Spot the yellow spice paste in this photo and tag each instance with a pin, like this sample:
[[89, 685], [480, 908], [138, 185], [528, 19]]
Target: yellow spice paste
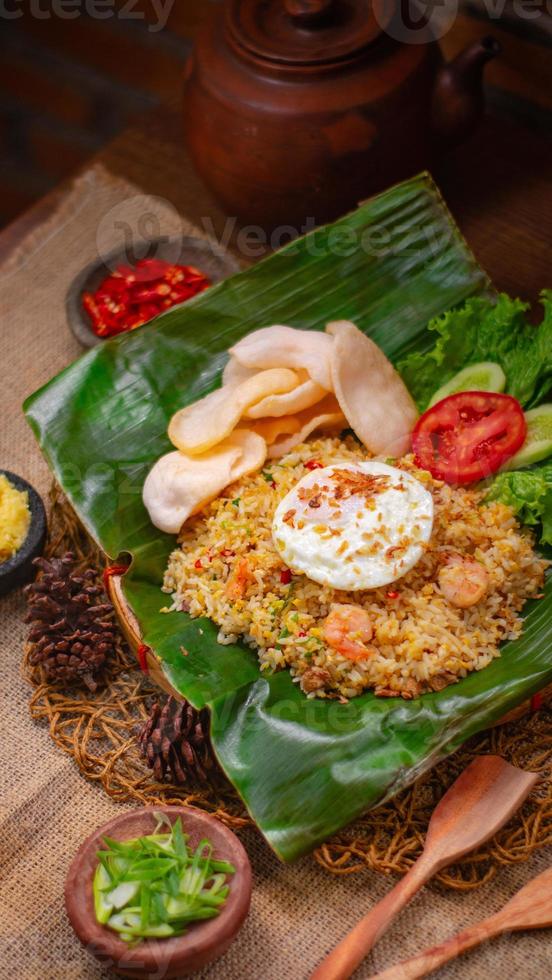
[[15, 518]]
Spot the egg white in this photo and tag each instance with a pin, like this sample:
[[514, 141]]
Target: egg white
[[361, 542]]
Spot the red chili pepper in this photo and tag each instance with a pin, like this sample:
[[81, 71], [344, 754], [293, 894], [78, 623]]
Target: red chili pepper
[[301, 633], [142, 654], [393, 595], [133, 321], [126, 272], [146, 270], [313, 464], [179, 294], [285, 576], [151, 293], [147, 311], [198, 563], [112, 286], [536, 702], [91, 307], [132, 295], [112, 570], [174, 274]]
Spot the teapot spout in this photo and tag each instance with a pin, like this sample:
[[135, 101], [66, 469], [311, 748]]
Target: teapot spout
[[458, 98]]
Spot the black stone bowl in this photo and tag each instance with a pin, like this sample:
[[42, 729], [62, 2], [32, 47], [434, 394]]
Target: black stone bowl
[[216, 263], [19, 569]]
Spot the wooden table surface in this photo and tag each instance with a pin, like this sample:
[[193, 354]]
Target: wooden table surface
[[498, 186]]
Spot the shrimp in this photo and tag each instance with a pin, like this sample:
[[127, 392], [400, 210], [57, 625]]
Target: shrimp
[[239, 579], [463, 581], [348, 630]]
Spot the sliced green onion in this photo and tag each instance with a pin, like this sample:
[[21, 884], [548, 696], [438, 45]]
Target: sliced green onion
[[145, 903], [154, 886], [123, 894], [102, 906], [224, 866]]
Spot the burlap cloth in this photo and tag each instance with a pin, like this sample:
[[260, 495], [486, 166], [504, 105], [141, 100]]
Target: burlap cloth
[[47, 808]]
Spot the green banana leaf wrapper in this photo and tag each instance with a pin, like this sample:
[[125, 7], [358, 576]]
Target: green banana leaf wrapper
[[304, 768]]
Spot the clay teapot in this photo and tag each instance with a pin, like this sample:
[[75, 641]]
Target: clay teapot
[[295, 110]]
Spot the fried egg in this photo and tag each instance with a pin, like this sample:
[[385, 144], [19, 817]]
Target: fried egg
[[354, 526]]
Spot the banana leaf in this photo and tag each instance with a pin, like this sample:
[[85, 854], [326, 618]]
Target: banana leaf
[[303, 767]]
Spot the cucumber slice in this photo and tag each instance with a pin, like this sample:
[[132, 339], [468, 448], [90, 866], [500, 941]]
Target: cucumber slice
[[538, 443], [485, 376]]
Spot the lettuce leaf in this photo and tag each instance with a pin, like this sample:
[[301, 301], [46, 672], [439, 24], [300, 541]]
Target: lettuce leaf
[[485, 330], [529, 492]]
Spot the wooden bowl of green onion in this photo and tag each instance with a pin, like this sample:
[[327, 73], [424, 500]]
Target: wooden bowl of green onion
[[159, 891]]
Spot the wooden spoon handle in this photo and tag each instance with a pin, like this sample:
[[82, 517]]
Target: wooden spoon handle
[[436, 956], [347, 955]]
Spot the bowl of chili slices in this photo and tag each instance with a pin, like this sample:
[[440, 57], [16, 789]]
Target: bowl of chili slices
[[120, 291]]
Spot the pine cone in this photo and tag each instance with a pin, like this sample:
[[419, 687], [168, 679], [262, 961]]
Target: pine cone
[[175, 743], [72, 631]]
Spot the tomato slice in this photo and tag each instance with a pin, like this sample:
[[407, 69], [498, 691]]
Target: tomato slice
[[468, 436]]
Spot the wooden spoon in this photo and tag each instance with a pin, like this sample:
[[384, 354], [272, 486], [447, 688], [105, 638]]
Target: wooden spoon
[[530, 908], [481, 800]]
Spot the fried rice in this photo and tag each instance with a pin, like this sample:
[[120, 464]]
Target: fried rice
[[227, 568]]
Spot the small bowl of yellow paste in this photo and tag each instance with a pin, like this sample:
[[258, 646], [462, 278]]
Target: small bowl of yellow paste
[[22, 530]]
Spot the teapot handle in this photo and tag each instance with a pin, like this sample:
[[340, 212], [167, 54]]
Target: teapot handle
[[307, 12]]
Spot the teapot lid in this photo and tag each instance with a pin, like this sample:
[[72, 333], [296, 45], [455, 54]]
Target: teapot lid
[[305, 32]]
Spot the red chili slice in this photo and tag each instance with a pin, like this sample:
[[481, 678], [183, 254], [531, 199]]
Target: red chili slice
[[468, 436], [132, 295]]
